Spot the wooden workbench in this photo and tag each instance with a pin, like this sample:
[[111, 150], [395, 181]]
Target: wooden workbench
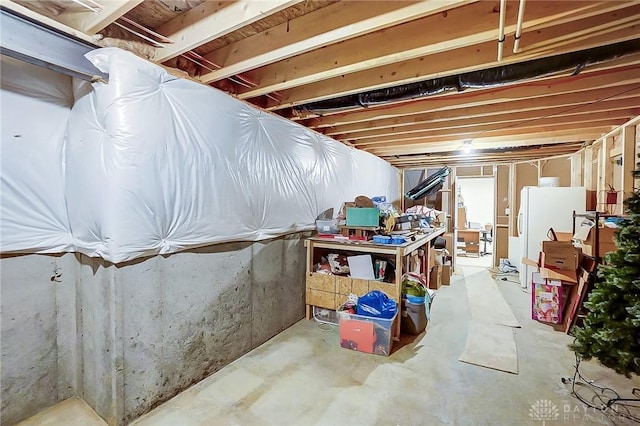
[[331, 291]]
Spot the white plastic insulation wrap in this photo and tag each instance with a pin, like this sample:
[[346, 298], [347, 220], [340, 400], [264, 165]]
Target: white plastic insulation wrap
[[156, 164], [35, 104]]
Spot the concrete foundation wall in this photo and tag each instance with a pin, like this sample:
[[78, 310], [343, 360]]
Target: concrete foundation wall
[[135, 335], [38, 336]]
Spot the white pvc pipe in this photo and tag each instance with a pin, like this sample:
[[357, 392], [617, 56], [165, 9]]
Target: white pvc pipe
[[142, 36], [95, 9], [516, 42], [503, 9]]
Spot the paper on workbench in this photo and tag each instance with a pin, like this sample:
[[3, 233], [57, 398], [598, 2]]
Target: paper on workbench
[[361, 267]]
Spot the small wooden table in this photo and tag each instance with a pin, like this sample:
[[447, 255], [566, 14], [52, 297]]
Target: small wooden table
[[330, 291], [471, 238]]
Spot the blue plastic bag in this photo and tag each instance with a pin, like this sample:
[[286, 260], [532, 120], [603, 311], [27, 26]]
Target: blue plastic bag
[[377, 304]]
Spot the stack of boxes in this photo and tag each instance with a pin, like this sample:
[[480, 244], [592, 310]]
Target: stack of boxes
[[440, 268], [558, 262]]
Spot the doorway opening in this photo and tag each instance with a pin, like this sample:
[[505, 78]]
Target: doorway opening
[[476, 221]]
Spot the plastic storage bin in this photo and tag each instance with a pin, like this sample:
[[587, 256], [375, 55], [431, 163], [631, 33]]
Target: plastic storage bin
[[414, 317], [366, 334], [327, 226], [381, 239]]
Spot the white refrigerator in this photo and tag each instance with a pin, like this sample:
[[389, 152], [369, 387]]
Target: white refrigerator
[[542, 208]]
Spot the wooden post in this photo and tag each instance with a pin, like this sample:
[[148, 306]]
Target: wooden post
[[588, 169], [513, 207], [628, 163], [401, 187], [576, 169], [604, 173]]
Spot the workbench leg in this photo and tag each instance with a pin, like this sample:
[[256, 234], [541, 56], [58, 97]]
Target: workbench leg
[[427, 266], [309, 311], [396, 334]]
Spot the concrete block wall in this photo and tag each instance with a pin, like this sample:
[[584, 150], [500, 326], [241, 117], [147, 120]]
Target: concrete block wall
[[126, 338]]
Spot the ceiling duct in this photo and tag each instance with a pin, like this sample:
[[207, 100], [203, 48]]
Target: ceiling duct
[[491, 77]]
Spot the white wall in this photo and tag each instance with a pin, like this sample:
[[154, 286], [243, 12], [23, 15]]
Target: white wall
[[478, 194]]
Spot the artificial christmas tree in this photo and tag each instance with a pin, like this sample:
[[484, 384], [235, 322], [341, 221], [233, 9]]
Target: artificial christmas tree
[[611, 328]]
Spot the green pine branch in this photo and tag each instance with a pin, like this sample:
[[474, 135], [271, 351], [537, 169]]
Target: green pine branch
[[611, 328]]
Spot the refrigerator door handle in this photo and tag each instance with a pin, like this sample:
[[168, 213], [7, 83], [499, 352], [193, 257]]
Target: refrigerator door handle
[[520, 223]]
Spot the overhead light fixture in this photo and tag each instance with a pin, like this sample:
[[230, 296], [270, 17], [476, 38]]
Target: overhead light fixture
[[466, 147]]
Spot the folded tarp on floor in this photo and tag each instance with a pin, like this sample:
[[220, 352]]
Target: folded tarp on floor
[[490, 339]]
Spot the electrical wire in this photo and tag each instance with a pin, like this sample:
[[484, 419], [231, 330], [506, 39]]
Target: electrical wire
[[604, 399]]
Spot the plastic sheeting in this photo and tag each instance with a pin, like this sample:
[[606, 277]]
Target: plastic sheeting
[[35, 104], [156, 164]]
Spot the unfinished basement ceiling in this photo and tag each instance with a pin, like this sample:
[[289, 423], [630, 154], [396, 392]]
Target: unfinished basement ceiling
[[291, 56]]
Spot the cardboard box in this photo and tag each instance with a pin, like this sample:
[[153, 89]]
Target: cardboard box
[[559, 255], [462, 218], [446, 275], [431, 260], [587, 237], [363, 216], [566, 276], [450, 244], [435, 277]]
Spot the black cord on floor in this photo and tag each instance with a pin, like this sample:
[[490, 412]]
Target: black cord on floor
[[604, 399]]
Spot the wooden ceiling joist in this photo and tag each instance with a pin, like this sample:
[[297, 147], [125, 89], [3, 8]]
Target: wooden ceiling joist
[[59, 26], [486, 130], [282, 54], [515, 120], [211, 20], [329, 25], [522, 139], [525, 91], [486, 156], [382, 47], [92, 22], [573, 103], [458, 61]]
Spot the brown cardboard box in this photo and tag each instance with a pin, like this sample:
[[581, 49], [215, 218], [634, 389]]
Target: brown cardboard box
[[450, 245], [431, 260], [462, 218], [435, 278], [587, 236], [446, 274], [559, 255]]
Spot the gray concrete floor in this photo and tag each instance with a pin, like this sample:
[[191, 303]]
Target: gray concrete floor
[[70, 412], [303, 377]]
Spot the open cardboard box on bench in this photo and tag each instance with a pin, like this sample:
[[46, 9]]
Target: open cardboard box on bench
[[587, 237], [559, 255], [565, 275]]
